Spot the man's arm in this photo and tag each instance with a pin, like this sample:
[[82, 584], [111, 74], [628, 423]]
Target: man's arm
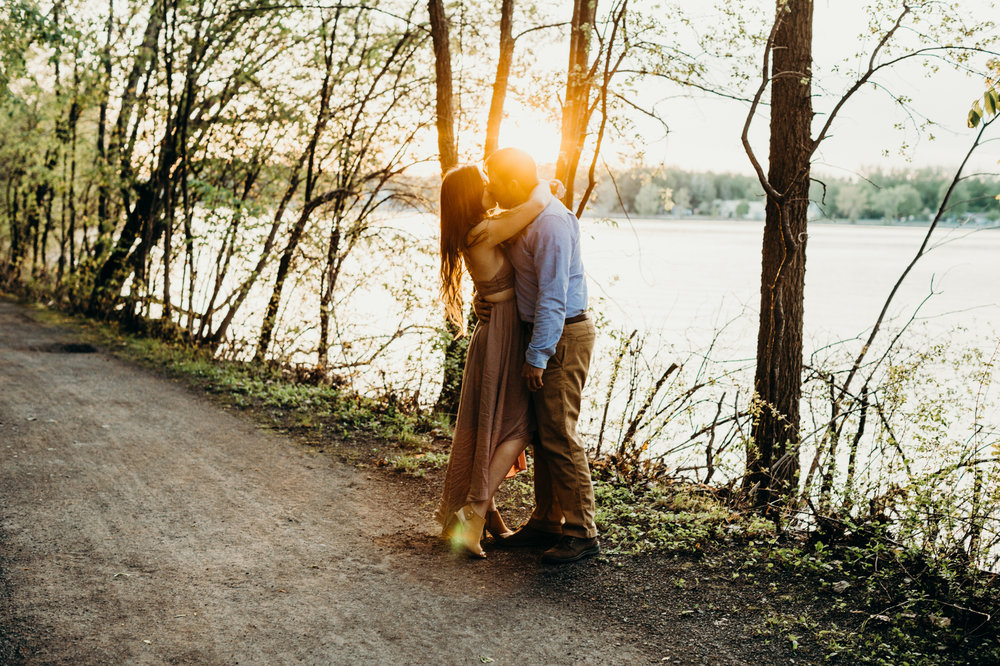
[[482, 307], [552, 261]]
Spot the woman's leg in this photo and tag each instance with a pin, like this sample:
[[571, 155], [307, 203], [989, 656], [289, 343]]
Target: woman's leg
[[503, 459]]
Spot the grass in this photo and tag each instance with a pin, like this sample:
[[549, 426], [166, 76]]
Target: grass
[[418, 464]]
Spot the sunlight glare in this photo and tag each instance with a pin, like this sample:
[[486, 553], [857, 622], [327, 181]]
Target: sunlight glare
[[532, 132]]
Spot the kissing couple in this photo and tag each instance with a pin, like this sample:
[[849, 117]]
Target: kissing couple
[[527, 359]]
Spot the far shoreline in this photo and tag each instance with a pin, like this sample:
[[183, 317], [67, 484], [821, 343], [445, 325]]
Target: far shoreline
[[907, 224]]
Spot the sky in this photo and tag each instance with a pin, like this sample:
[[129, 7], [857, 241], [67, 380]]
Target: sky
[[705, 129]]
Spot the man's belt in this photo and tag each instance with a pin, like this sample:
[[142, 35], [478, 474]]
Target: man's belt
[[569, 320]]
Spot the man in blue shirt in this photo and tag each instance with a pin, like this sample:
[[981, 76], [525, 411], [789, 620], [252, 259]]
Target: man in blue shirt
[[551, 290]]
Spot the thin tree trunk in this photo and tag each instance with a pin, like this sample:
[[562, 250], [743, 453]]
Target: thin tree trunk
[[284, 266], [327, 287], [454, 353], [74, 117], [110, 276], [62, 134], [611, 65], [773, 458], [105, 227], [41, 209], [447, 148], [47, 229], [168, 191], [309, 205], [503, 74], [576, 106], [16, 232]]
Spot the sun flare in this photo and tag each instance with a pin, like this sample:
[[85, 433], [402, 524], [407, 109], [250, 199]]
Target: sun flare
[[532, 132]]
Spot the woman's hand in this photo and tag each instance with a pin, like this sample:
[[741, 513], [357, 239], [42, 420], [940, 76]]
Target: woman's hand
[[557, 188]]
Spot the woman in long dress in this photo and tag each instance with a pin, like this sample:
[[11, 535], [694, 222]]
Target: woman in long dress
[[495, 421]]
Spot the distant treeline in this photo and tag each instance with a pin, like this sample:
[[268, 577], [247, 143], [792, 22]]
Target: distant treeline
[[878, 194]]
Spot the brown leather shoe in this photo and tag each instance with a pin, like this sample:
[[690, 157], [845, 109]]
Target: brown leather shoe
[[571, 549], [529, 537]]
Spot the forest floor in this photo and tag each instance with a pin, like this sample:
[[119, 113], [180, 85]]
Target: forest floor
[[144, 520]]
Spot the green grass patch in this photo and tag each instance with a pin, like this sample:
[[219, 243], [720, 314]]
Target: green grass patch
[[662, 516], [884, 604], [418, 464]]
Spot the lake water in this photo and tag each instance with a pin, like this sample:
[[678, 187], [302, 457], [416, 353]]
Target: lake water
[[685, 279], [687, 283]]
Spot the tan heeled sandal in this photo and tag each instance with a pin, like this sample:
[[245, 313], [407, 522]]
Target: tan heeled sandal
[[495, 525], [465, 529]]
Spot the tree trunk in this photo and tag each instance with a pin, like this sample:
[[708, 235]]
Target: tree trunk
[[503, 74], [71, 195], [447, 148], [576, 107], [773, 458], [105, 227], [454, 353], [17, 248], [284, 267], [109, 278], [328, 285], [142, 64], [168, 186]]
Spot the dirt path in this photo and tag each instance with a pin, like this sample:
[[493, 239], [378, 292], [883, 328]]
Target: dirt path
[[140, 524]]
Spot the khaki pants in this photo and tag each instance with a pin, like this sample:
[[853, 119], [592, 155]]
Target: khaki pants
[[564, 494]]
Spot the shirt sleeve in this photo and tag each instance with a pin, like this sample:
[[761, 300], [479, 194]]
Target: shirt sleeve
[[552, 262]]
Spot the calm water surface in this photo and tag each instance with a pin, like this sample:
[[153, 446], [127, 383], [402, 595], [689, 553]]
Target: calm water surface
[[684, 279]]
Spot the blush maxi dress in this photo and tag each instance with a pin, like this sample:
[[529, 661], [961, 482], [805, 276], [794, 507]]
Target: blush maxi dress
[[494, 406]]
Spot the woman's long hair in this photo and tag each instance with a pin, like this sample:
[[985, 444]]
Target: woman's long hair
[[461, 209]]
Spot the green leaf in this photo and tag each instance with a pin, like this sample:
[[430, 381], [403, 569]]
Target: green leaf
[[976, 114], [990, 102]]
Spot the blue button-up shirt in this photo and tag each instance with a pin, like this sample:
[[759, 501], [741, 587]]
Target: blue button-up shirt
[[549, 280]]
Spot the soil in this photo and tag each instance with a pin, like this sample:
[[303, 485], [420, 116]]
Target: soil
[[143, 523]]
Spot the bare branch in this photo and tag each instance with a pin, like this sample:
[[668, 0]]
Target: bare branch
[[540, 27], [744, 136]]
